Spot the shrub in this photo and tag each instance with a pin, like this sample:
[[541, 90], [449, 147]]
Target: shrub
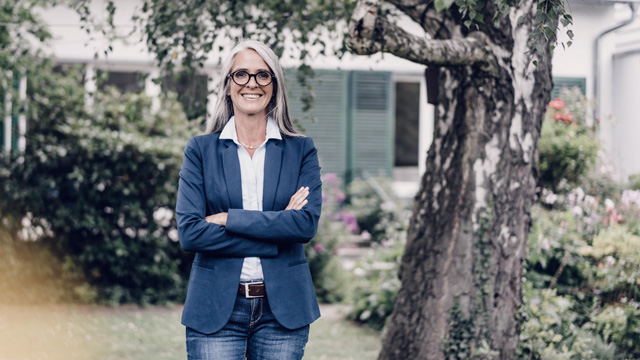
[[373, 204], [568, 148], [620, 324], [615, 254], [634, 182], [334, 229], [377, 279], [95, 186], [375, 292]]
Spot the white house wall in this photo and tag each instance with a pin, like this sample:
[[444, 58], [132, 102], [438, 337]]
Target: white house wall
[[626, 130]]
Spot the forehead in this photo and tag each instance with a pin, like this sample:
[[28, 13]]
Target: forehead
[[250, 60]]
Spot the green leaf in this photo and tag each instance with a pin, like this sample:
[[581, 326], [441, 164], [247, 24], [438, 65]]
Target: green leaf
[[570, 34], [443, 4], [569, 43]]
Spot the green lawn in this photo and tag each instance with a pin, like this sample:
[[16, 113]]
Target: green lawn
[[51, 332]]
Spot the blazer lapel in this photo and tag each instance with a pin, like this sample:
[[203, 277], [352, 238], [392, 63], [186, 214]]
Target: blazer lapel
[[232, 176], [272, 163]]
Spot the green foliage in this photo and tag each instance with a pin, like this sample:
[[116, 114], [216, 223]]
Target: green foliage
[[568, 147], [620, 325], [587, 251], [374, 206], [634, 182], [377, 285], [329, 279], [580, 285], [96, 187], [377, 282], [549, 329], [615, 262]]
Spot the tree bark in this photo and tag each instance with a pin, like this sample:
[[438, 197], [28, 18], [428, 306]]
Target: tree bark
[[462, 268]]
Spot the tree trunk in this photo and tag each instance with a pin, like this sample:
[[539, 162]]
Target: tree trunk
[[462, 268]]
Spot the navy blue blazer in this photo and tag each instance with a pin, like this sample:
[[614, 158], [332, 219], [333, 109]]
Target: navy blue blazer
[[210, 183]]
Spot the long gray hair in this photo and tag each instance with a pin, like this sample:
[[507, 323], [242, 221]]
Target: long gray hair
[[278, 107]]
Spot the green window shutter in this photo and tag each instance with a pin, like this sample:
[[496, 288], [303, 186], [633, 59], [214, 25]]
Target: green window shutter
[[329, 132], [371, 133], [569, 83]]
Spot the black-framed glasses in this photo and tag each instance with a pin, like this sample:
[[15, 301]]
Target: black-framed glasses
[[242, 77]]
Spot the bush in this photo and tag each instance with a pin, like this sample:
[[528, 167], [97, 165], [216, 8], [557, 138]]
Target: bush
[[568, 148], [374, 295], [335, 227], [373, 204], [621, 325], [95, 186], [634, 182], [377, 279]]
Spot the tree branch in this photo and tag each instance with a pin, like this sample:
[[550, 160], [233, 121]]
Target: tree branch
[[423, 13], [370, 33]]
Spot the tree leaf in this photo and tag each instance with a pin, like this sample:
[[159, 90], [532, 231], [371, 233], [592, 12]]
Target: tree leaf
[[443, 4]]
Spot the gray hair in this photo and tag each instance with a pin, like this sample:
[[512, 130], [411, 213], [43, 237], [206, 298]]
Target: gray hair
[[278, 106]]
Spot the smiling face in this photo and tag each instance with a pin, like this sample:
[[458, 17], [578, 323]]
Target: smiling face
[[250, 99]]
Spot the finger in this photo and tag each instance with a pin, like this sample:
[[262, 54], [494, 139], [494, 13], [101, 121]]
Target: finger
[[302, 204], [300, 195]]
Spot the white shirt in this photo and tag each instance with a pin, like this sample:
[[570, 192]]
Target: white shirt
[[252, 174]]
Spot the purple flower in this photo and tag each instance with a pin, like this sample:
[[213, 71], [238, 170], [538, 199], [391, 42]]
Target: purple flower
[[331, 177], [318, 247], [341, 196]]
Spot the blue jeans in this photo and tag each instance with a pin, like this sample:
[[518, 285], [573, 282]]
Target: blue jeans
[[251, 332]]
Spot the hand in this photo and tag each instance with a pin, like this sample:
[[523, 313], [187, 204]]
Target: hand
[[299, 199], [219, 218]]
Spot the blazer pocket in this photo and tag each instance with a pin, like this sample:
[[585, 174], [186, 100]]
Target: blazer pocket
[[298, 262]]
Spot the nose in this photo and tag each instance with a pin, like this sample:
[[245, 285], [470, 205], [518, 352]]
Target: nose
[[252, 81]]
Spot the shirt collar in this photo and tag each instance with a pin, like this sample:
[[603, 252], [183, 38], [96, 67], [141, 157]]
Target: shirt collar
[[229, 130]]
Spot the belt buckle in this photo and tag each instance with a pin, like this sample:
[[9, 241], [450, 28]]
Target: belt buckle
[[246, 290]]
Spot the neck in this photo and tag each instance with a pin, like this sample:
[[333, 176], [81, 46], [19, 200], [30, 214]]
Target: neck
[[251, 130]]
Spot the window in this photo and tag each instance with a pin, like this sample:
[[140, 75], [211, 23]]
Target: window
[[191, 90], [123, 81], [407, 136]]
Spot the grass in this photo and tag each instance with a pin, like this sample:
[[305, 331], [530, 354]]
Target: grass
[[52, 332]]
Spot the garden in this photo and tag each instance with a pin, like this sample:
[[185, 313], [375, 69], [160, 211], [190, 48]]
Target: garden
[[87, 229], [581, 283]]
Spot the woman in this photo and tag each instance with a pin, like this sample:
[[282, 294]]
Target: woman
[[249, 197]]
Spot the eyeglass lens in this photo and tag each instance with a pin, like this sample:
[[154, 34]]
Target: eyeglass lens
[[242, 77]]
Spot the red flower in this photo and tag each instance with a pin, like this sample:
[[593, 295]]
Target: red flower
[[557, 104], [564, 117], [568, 117]]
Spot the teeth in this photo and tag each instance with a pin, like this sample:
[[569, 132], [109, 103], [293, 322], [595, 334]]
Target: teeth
[[251, 96]]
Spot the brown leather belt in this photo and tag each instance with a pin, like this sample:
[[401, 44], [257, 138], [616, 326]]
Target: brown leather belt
[[252, 290]]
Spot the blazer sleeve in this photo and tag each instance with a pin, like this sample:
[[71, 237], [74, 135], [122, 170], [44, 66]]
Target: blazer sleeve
[[285, 226], [194, 232]]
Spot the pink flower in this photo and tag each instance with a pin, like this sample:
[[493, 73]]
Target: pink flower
[[318, 247], [557, 104], [341, 196], [331, 177]]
